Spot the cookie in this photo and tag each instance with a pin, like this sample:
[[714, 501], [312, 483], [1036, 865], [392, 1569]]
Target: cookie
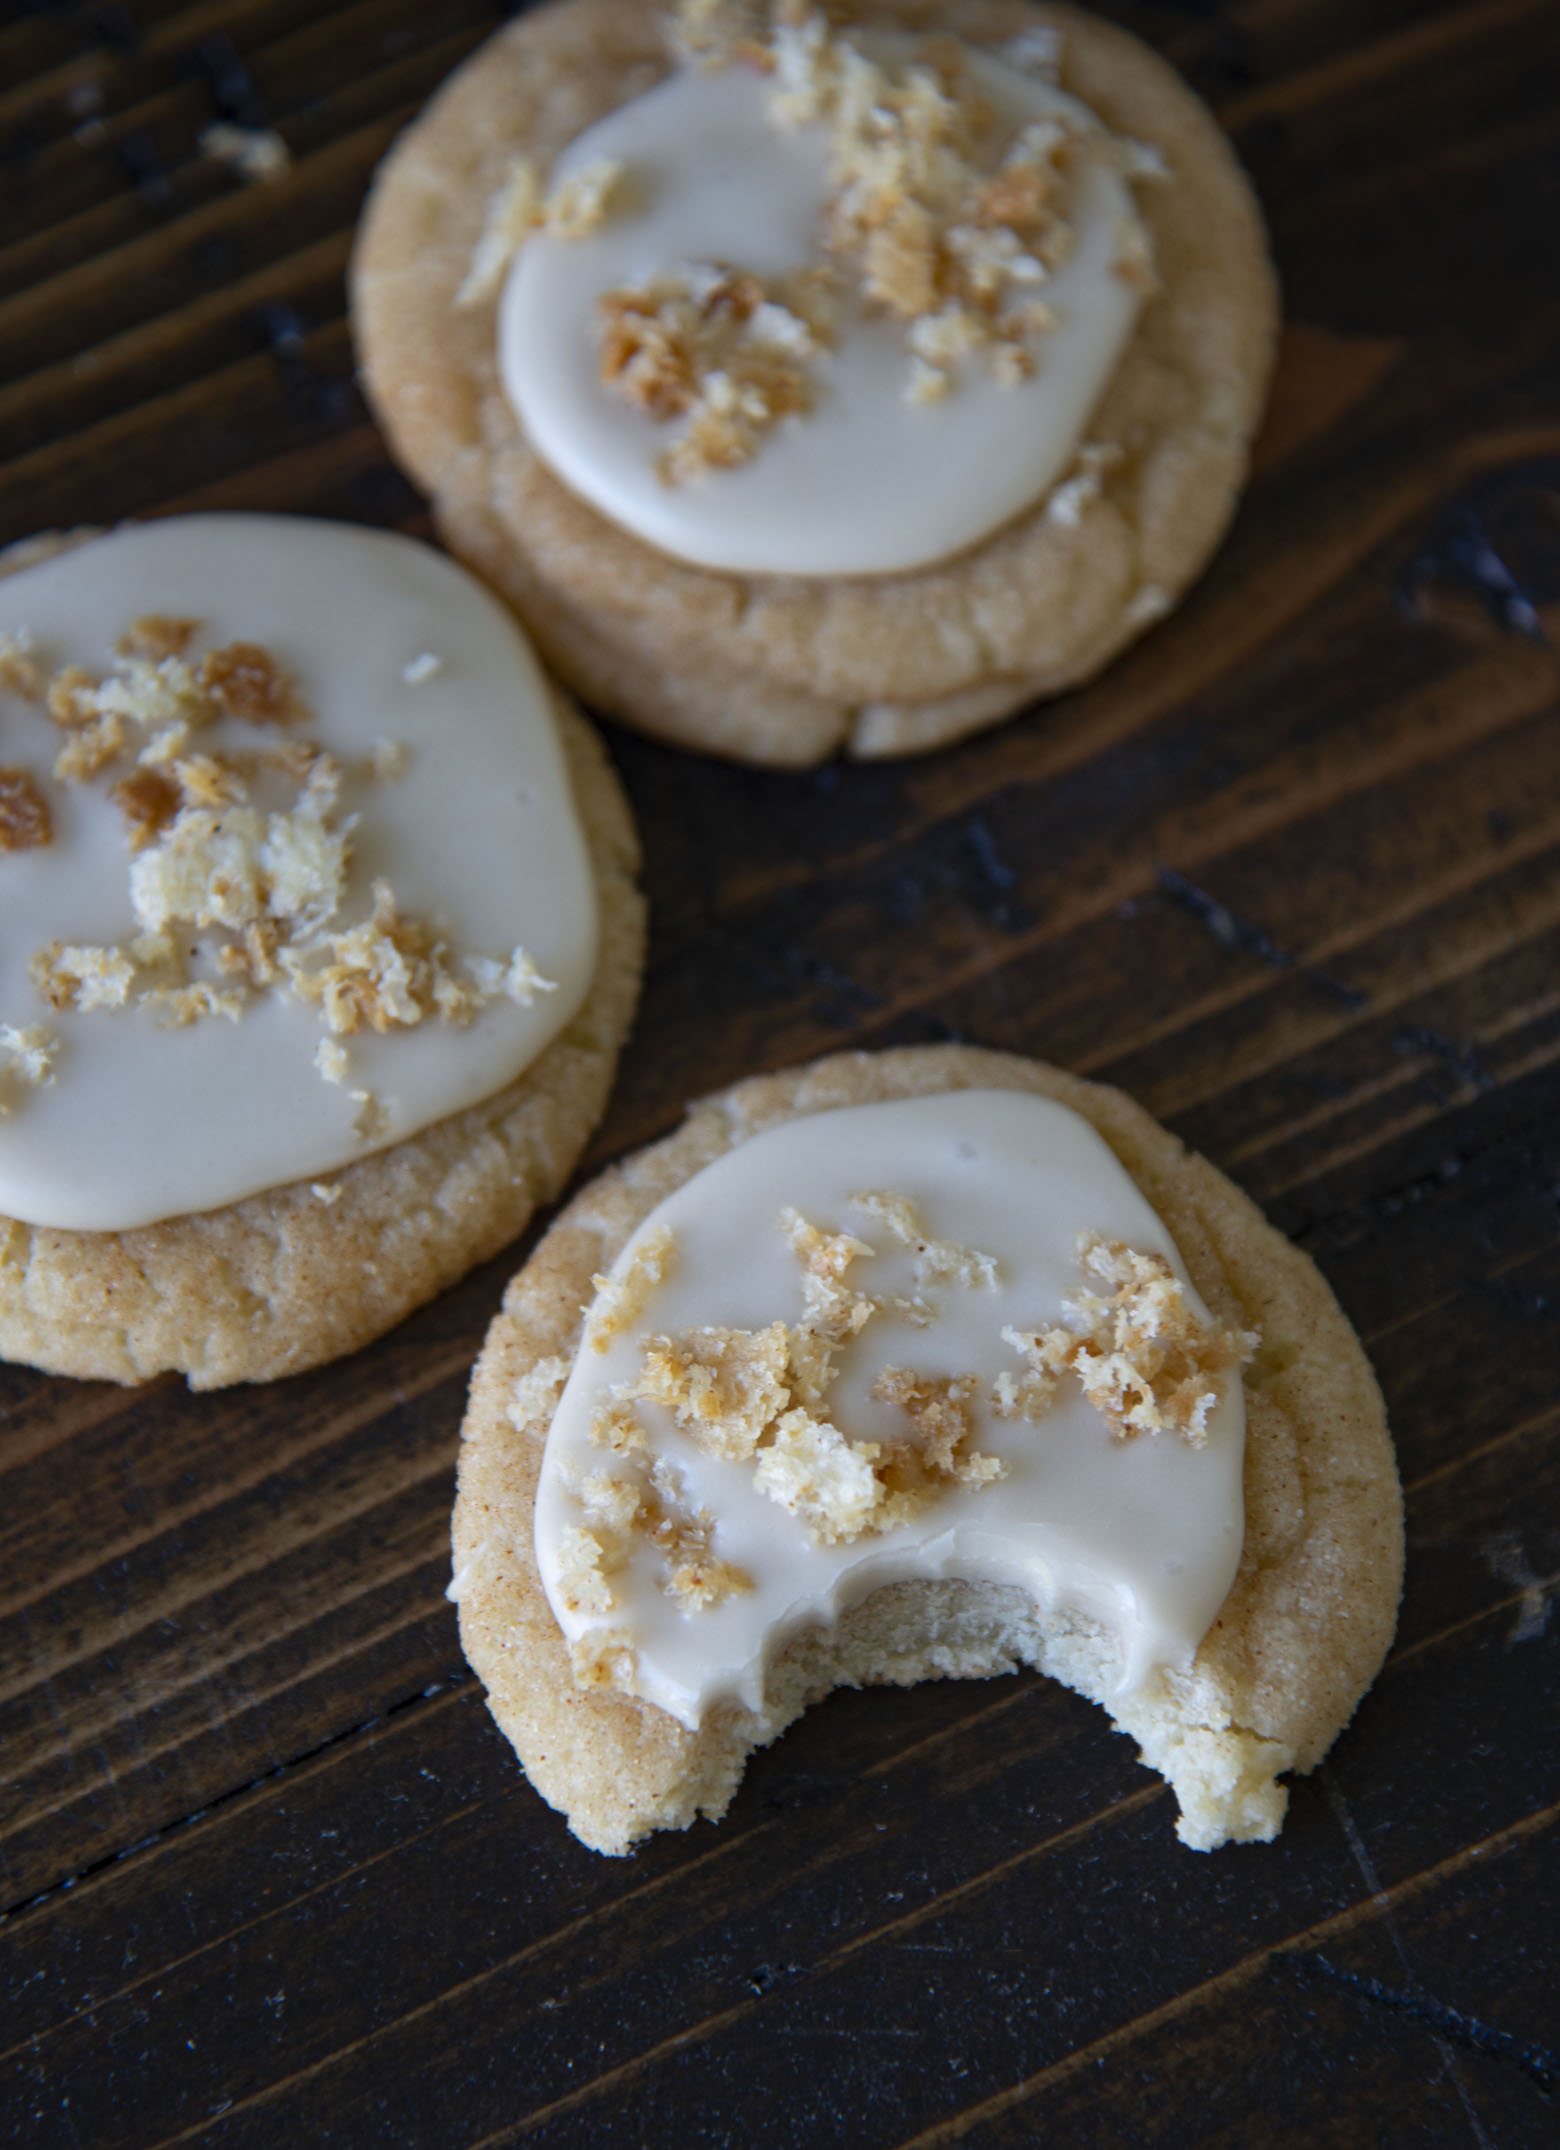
[[319, 938], [708, 574], [707, 1534]]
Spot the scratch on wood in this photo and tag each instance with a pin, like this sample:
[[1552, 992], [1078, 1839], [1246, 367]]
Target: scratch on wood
[[1382, 1900], [1232, 931], [1508, 1562], [1449, 2023], [452, 1683]]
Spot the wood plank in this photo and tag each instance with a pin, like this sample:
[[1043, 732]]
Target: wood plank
[[1290, 873]]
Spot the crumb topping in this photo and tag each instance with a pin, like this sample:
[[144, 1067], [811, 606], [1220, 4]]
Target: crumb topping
[[257, 154], [933, 217], [1083, 483], [245, 680], [519, 205], [1143, 1355], [758, 1395], [603, 1657], [156, 635], [636, 1543], [26, 1061], [720, 349], [651, 1509], [535, 1395], [209, 850], [25, 821], [20, 673], [620, 1301]]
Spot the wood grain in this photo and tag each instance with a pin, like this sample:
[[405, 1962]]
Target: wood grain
[[1290, 873]]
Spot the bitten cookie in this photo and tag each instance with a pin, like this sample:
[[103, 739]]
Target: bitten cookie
[[896, 1369], [319, 938], [850, 389]]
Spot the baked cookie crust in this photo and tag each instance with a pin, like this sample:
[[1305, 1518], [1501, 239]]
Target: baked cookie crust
[[776, 669], [285, 1280], [1298, 1640]]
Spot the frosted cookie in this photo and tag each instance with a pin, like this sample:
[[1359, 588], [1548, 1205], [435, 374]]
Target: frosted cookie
[[812, 389], [926, 1363], [318, 940]]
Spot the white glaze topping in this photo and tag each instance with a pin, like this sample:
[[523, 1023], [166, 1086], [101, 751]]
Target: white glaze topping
[[1142, 1536], [866, 482], [401, 658]]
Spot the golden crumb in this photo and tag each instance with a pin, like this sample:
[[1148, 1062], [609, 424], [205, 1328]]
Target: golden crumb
[[72, 698], [1133, 259], [518, 980], [20, 672], [148, 800], [25, 821], [604, 1657], [513, 212], [708, 33], [573, 209], [330, 1061], [580, 204], [829, 1307], [156, 635], [258, 155], [644, 1506], [1083, 483], [723, 1387], [370, 1121], [181, 1005], [1144, 1356], [582, 1580], [1028, 1396], [937, 1261], [938, 1451], [826, 1481], [245, 681], [692, 1571], [534, 1397], [759, 1395], [90, 750], [940, 220], [209, 780], [160, 697], [26, 1061], [620, 1301], [71, 976], [326, 1191], [717, 348], [376, 976], [265, 882], [616, 1427]]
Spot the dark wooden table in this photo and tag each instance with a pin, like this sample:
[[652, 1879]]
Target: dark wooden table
[[1290, 873]]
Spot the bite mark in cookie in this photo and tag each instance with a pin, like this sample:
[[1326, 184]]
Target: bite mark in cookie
[[1303, 1623], [858, 1432]]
